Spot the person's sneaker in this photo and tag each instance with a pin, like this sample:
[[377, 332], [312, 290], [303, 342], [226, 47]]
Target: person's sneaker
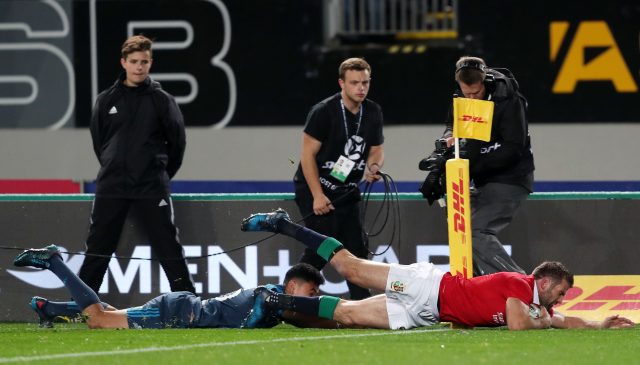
[[259, 312], [37, 257], [37, 304], [264, 221]]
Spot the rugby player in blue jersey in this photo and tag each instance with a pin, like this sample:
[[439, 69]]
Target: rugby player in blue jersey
[[238, 309]]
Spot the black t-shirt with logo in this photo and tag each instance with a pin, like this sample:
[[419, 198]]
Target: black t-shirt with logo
[[326, 123]]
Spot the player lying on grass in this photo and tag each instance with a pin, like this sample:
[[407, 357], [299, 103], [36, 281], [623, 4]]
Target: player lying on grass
[[172, 310], [421, 295]]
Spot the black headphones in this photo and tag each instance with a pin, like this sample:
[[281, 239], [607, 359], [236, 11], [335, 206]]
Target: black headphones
[[472, 64], [489, 79]]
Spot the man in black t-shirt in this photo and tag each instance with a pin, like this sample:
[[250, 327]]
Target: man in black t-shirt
[[341, 143]]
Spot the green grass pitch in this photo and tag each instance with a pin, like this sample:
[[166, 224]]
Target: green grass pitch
[[23, 343]]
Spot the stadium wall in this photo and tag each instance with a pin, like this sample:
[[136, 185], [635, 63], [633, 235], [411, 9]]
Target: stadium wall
[[594, 234], [566, 155]]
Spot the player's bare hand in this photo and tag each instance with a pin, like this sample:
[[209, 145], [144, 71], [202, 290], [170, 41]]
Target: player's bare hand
[[617, 322], [322, 205], [545, 318]]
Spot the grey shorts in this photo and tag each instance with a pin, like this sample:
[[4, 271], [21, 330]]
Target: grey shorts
[[171, 310]]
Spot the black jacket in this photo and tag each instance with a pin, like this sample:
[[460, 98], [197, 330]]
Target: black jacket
[[507, 157], [139, 138]]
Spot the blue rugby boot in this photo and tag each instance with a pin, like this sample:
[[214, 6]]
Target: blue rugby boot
[[264, 222], [37, 257], [259, 311], [37, 304], [262, 315]]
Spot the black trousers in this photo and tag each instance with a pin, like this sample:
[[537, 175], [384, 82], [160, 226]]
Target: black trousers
[[107, 219], [492, 209], [343, 224]]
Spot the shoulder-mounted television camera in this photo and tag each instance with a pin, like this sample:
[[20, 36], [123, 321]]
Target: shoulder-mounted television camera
[[434, 186]]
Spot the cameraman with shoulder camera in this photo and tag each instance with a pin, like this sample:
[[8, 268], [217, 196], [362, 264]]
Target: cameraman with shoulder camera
[[501, 169]]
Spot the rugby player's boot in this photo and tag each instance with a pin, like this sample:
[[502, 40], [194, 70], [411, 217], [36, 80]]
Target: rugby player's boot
[[264, 222], [259, 313], [38, 304], [277, 301], [37, 257]]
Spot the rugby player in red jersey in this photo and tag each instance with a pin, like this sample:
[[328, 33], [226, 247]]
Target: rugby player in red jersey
[[421, 295]]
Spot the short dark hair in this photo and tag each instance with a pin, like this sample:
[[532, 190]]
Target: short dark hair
[[136, 43], [355, 64], [305, 272], [470, 70], [555, 270]]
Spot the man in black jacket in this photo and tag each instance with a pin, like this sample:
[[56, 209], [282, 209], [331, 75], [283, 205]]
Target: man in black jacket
[[501, 169], [139, 139]]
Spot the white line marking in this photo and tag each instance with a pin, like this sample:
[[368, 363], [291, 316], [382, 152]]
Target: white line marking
[[211, 344]]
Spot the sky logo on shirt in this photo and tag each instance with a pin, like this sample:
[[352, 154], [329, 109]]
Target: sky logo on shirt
[[354, 149]]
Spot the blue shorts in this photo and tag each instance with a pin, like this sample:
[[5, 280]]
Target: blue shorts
[[171, 310]]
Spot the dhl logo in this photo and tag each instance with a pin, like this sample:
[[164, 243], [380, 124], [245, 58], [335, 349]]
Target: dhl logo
[[472, 119], [459, 217], [458, 205], [596, 297]]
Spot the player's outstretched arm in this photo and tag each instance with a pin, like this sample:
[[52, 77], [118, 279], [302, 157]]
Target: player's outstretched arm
[[519, 317], [561, 321]]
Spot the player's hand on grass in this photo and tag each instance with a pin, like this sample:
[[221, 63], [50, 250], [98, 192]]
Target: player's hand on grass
[[617, 322]]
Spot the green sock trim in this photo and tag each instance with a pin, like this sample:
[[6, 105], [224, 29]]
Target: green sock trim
[[328, 247], [328, 305]]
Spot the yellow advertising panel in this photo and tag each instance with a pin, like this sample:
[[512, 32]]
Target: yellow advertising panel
[[597, 297], [459, 217], [472, 118]]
